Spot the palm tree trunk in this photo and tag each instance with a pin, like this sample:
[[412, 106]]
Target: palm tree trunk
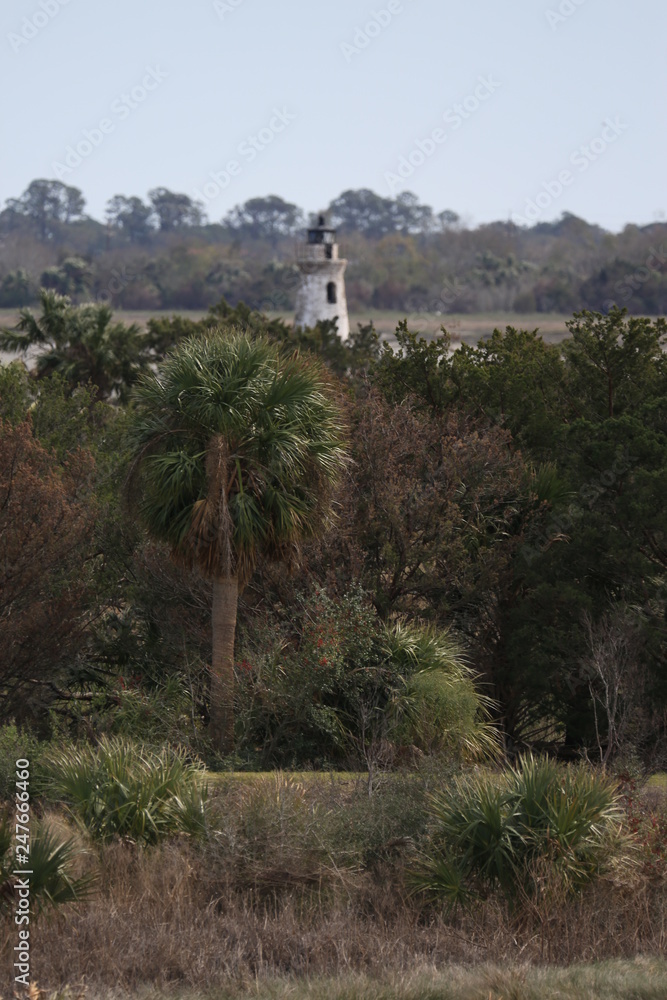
[[221, 725]]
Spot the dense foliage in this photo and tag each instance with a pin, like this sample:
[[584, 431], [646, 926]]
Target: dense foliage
[[230, 542], [237, 447], [538, 823], [120, 789], [508, 496], [163, 253], [54, 878], [81, 344]]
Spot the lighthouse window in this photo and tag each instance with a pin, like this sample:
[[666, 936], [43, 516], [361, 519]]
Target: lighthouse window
[[331, 292], [328, 250]]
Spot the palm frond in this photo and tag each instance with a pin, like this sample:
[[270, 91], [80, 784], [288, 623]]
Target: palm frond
[[239, 447]]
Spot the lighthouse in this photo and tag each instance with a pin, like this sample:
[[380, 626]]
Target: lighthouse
[[321, 293]]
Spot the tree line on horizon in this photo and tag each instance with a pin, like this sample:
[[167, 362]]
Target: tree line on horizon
[[163, 253]]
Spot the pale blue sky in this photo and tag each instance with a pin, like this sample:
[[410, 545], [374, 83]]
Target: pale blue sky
[[348, 111]]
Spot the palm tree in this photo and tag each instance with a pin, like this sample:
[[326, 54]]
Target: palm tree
[[81, 343], [237, 447]]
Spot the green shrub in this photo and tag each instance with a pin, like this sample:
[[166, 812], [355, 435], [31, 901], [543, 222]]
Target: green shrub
[[120, 788], [505, 831], [443, 711], [301, 689], [52, 862], [153, 715], [340, 684], [16, 745]]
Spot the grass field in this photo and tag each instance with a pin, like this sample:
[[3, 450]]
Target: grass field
[[300, 891], [467, 327], [642, 979]]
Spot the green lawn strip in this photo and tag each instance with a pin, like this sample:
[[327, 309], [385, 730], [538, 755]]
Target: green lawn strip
[[642, 979]]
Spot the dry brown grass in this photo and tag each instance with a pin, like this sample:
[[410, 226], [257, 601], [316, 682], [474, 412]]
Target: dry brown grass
[[177, 915], [305, 879], [158, 923]]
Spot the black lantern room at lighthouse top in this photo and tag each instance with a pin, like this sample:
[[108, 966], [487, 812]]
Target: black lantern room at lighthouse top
[[321, 233]]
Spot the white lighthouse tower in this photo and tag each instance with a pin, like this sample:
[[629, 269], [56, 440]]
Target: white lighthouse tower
[[321, 294]]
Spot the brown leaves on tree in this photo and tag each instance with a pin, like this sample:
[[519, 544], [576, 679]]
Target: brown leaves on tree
[[431, 512], [46, 525]]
